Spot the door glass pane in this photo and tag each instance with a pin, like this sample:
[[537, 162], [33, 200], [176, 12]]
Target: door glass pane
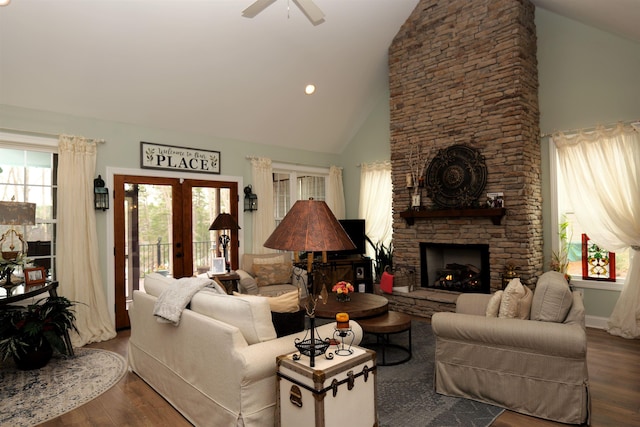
[[207, 203], [148, 233]]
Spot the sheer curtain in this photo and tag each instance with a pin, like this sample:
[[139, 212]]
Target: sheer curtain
[[335, 196], [263, 222], [375, 202], [602, 170], [78, 269]]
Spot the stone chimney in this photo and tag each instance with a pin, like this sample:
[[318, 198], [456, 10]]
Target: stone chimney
[[465, 72]]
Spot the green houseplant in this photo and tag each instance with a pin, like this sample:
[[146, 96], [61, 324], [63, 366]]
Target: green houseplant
[[30, 333], [383, 257], [560, 258]]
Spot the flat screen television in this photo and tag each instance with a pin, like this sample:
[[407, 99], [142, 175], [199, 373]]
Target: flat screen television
[[355, 230]]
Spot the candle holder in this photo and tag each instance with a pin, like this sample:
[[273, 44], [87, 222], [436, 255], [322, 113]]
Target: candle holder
[[340, 335]]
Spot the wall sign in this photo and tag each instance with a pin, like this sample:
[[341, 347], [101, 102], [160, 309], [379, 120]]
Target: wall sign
[[170, 157]]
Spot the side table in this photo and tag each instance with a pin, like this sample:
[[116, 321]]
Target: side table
[[336, 392], [229, 280], [21, 293]]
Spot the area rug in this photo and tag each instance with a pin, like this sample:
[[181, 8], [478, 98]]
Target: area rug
[[406, 396], [32, 397]]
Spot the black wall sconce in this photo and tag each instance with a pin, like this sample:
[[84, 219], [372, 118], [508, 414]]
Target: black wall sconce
[[250, 200], [100, 194]]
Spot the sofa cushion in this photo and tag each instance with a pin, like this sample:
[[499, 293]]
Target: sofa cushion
[[552, 298], [273, 274], [251, 315], [516, 301], [493, 307], [155, 283]]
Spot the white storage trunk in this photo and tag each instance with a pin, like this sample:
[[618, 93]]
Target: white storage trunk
[[336, 392]]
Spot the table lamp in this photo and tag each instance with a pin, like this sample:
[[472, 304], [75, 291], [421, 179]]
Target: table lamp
[[224, 221], [310, 227], [14, 213]]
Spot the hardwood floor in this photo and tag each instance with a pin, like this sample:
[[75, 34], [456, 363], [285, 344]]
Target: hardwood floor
[[614, 372]]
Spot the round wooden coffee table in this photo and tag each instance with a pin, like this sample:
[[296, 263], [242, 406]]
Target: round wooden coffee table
[[362, 305]]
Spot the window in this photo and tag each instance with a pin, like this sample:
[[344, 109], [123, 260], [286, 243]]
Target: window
[[301, 183], [30, 176], [570, 233]]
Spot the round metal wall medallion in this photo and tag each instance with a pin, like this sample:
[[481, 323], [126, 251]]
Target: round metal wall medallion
[[456, 177]]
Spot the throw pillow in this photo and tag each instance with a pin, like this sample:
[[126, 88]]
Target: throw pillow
[[273, 274], [552, 298], [524, 308], [510, 304], [269, 259], [247, 284], [386, 282], [494, 304], [285, 303]]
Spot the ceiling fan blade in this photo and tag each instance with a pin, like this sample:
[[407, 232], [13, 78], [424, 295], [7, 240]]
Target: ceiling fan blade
[[312, 12], [257, 7]]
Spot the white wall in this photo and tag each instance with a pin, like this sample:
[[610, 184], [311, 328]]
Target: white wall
[[587, 77]]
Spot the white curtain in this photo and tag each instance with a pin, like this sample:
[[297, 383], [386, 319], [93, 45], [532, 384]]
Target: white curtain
[[78, 264], [263, 222], [602, 171], [375, 202], [335, 196]]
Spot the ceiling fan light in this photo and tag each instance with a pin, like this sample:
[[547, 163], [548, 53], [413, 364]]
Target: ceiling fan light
[[310, 89]]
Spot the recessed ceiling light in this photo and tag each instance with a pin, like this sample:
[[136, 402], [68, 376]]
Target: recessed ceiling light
[[4, 2], [309, 89]]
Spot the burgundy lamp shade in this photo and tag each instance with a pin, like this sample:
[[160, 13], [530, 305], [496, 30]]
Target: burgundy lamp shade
[[224, 221], [309, 226]]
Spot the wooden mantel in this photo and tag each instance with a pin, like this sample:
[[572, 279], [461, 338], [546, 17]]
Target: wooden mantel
[[495, 214]]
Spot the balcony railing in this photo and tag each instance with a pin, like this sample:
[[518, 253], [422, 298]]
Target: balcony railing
[[157, 256]]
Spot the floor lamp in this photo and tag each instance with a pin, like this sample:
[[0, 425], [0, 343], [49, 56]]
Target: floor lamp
[[310, 227]]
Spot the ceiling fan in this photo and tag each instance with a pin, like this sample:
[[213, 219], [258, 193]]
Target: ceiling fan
[[308, 7]]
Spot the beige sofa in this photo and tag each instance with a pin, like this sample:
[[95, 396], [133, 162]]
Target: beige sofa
[[535, 367], [218, 366]]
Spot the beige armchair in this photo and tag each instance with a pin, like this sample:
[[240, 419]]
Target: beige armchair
[[535, 367], [270, 275]]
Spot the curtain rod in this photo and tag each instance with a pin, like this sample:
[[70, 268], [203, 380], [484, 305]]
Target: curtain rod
[[634, 123], [46, 134], [288, 163]]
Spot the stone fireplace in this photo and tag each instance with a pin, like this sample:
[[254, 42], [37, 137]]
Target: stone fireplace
[[465, 72]]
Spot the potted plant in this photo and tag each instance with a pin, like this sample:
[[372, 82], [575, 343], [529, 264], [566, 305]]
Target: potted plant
[[383, 257], [560, 258], [30, 333]]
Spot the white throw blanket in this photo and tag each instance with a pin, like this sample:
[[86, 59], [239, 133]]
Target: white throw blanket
[[173, 300]]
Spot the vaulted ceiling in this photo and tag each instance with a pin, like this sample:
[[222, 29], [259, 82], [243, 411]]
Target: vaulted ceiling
[[199, 66]]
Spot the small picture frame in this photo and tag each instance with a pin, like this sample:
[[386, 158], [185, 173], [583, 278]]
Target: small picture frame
[[35, 276], [359, 272], [495, 200], [218, 265]]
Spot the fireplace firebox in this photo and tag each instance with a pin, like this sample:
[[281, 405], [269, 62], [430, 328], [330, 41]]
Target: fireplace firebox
[[455, 267]]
